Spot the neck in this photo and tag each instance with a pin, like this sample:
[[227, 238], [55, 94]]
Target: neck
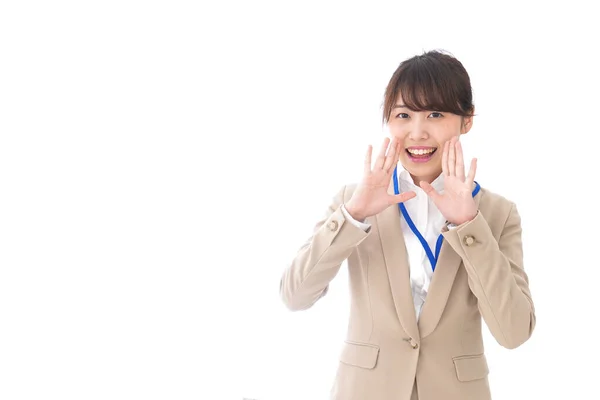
[[427, 178]]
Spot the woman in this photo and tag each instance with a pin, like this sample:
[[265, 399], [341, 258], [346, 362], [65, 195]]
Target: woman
[[430, 252]]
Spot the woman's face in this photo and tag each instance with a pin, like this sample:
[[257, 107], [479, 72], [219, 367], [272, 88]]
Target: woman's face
[[422, 135]]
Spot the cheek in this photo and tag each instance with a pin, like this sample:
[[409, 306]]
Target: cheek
[[445, 132], [398, 133]]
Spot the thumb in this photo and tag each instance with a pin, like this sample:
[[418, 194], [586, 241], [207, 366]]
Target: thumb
[[402, 197], [427, 188]]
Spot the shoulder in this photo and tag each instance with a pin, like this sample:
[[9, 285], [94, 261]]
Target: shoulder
[[494, 199], [495, 207], [349, 190], [342, 195]]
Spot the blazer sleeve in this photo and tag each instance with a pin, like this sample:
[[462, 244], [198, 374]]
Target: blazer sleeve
[[496, 276], [318, 261]]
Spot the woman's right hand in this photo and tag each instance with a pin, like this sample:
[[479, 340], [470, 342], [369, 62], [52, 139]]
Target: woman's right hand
[[371, 195]]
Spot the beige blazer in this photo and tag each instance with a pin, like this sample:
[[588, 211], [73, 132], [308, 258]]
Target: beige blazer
[[386, 352]]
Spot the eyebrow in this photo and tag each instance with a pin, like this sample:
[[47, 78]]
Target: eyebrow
[[400, 106]]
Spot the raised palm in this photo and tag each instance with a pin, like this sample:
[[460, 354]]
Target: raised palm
[[456, 202], [371, 195]]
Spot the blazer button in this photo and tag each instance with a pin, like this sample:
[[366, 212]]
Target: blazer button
[[333, 225], [469, 240], [415, 345]]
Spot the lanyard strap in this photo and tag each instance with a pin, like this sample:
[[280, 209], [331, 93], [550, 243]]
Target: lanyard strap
[[438, 246]]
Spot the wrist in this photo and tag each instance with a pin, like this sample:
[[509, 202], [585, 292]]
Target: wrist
[[464, 220], [354, 213]]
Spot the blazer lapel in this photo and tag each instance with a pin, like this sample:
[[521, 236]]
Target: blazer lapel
[[396, 262], [441, 285]]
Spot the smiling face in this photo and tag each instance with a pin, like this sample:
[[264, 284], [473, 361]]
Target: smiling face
[[428, 101], [422, 135]]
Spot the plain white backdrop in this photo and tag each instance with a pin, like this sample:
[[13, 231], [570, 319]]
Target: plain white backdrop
[[161, 163]]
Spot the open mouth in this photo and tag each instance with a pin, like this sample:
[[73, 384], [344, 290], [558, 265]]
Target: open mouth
[[421, 154]]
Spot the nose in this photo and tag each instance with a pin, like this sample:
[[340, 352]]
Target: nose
[[417, 131]]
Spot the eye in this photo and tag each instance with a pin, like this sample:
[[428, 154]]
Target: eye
[[436, 114], [402, 116]]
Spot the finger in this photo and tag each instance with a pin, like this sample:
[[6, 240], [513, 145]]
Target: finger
[[452, 158], [445, 158], [381, 158], [402, 197], [397, 159], [427, 188], [460, 162], [472, 170], [391, 156], [367, 169]]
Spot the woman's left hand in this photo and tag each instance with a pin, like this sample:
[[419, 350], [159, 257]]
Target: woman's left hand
[[456, 203]]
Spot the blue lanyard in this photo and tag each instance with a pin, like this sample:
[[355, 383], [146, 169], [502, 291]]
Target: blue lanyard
[[438, 246]]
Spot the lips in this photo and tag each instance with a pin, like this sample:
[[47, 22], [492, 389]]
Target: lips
[[420, 153]]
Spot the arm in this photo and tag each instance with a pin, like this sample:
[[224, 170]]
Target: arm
[[496, 276], [318, 261]]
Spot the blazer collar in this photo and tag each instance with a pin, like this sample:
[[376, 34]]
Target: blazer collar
[[396, 260], [442, 280]]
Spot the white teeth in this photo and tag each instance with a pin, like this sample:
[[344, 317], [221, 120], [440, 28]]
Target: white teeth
[[420, 152]]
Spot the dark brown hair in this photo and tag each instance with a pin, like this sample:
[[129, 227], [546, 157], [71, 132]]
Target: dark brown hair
[[434, 81]]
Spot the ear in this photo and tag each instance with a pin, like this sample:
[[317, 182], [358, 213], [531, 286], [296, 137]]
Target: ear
[[467, 123]]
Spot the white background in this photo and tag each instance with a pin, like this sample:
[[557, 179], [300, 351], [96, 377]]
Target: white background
[[162, 161]]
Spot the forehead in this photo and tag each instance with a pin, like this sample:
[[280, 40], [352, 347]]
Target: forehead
[[420, 102], [414, 100]]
